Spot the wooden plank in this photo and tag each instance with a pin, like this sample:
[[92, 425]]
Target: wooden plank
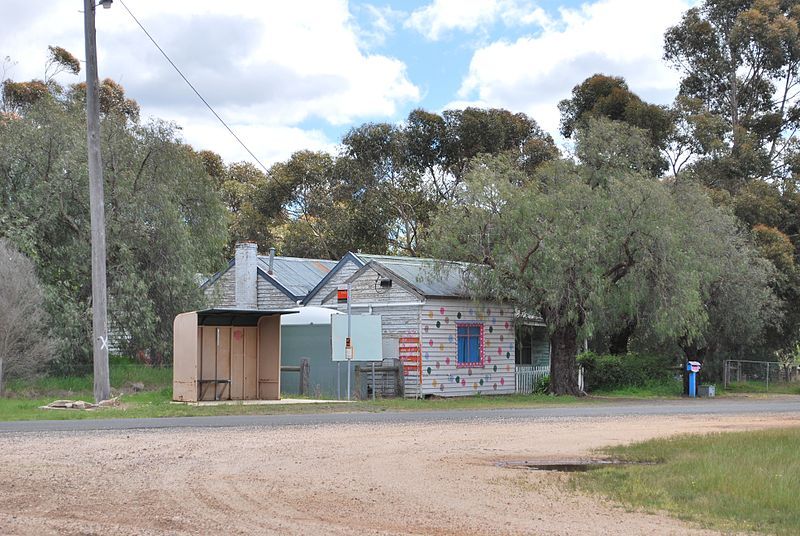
[[237, 363], [269, 358], [250, 361], [223, 363], [208, 361]]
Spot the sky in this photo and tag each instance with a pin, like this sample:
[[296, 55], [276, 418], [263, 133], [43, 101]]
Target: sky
[[295, 75]]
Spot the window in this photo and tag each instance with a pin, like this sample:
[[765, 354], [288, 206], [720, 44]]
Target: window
[[470, 345]]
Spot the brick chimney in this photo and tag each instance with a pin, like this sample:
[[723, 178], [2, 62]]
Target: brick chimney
[[246, 273]]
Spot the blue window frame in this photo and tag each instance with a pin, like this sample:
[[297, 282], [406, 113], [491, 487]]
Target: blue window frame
[[470, 345]]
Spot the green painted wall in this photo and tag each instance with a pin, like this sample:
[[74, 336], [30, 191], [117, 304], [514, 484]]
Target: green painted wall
[[314, 343]]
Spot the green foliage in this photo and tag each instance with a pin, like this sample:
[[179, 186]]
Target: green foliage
[[381, 191], [164, 222], [590, 246], [731, 482], [542, 386], [609, 148], [605, 372], [601, 96], [739, 62]]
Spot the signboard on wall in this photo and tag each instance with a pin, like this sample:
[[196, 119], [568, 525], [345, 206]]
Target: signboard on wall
[[366, 338]]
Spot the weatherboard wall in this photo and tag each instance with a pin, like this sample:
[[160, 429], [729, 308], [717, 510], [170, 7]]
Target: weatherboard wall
[[339, 278], [398, 307], [271, 297], [222, 293], [441, 374]]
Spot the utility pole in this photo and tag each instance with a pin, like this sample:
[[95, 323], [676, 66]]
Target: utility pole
[[102, 385]]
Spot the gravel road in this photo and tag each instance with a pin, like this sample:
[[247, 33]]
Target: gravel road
[[437, 478]]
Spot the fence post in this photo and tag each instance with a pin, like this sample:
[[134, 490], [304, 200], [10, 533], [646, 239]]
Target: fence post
[[767, 375], [305, 370], [725, 374]]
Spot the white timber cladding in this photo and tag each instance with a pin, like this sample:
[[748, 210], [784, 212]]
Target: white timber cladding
[[222, 293], [342, 275], [441, 374], [271, 297], [399, 308]]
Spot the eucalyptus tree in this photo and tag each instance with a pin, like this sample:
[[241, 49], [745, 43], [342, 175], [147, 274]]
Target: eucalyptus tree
[[583, 247], [740, 61], [165, 223]]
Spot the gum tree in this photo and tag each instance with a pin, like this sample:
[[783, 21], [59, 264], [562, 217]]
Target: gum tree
[[582, 247]]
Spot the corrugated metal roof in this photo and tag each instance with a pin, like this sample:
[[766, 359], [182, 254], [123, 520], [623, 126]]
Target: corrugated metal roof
[[431, 276], [298, 276]]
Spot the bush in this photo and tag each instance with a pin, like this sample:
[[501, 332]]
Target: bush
[[607, 372], [542, 386], [25, 343]]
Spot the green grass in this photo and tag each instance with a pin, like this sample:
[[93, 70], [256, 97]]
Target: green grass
[[158, 404], [23, 399], [731, 481], [670, 388], [761, 387]]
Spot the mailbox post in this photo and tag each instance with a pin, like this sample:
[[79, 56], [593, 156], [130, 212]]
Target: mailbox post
[[692, 368]]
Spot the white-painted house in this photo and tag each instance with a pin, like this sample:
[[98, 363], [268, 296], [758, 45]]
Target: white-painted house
[[465, 347]]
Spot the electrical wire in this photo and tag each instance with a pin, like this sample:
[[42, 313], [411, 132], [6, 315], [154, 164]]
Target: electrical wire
[[193, 88], [286, 189]]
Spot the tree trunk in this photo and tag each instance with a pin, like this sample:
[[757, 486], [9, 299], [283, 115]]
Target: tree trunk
[[619, 341], [563, 367], [2, 391]]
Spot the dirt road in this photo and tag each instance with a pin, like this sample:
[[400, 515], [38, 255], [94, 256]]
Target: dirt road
[[435, 479]]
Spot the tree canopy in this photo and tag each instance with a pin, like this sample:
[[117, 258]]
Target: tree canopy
[[583, 253], [164, 220]]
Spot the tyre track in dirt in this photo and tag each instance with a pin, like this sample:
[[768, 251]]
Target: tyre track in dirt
[[436, 478]]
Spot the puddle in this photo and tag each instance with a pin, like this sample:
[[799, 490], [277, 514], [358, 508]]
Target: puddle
[[567, 466]]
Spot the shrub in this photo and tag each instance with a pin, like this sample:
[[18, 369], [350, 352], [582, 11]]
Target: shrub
[[606, 371], [542, 386], [25, 343]]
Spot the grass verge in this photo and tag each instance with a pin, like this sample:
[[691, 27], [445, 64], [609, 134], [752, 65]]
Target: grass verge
[[731, 481], [24, 399], [663, 389], [761, 387]]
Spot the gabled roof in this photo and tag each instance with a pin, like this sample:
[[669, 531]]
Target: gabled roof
[[425, 277], [430, 277], [293, 276], [349, 257]]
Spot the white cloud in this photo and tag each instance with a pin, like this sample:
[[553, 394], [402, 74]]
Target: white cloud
[[442, 16], [381, 24], [615, 37], [269, 143], [267, 68]]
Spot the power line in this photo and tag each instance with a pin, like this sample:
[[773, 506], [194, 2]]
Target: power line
[[193, 88], [287, 190]]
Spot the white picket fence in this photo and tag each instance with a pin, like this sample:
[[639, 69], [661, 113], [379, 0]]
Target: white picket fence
[[527, 376]]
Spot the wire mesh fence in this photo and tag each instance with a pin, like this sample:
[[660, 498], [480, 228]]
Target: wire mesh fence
[[759, 375]]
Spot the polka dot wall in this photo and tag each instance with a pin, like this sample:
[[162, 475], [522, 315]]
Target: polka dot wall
[[441, 373]]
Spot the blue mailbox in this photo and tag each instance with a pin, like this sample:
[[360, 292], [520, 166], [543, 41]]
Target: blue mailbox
[[692, 368]]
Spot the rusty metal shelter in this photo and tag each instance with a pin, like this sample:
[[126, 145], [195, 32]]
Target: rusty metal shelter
[[227, 354]]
